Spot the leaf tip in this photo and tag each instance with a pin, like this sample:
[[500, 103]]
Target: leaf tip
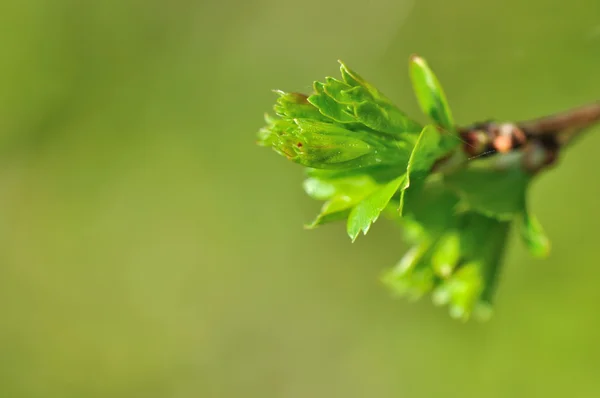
[[352, 231], [368, 226], [417, 59], [483, 311], [343, 67]]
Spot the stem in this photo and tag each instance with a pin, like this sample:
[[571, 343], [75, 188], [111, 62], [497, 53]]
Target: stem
[[539, 140], [565, 125]]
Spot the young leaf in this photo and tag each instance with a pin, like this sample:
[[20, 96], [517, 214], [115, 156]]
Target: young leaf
[[432, 206], [495, 193], [374, 109], [429, 93], [483, 240], [411, 277], [424, 154], [336, 209], [461, 291], [533, 235], [341, 195], [446, 254], [367, 211], [328, 106], [296, 106], [346, 124], [444, 244]]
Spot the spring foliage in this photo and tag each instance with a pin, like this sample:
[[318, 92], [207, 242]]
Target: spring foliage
[[365, 158]]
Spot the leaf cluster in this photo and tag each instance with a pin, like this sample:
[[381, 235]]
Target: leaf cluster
[[364, 157]]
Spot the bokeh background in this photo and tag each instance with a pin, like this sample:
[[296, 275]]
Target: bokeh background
[[149, 249]]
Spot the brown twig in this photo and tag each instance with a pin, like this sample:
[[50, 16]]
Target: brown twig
[[539, 139], [563, 126]]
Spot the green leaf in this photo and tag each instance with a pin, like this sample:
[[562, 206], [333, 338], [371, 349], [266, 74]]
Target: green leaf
[[374, 109], [483, 239], [319, 144], [431, 207], [458, 253], [353, 79], [533, 235], [346, 124], [380, 173], [336, 209], [367, 211], [424, 154], [430, 94], [446, 254], [341, 194], [411, 277], [328, 106], [495, 193], [344, 189], [375, 117], [461, 291], [328, 145], [296, 106]]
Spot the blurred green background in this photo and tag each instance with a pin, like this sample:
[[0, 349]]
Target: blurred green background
[[149, 249]]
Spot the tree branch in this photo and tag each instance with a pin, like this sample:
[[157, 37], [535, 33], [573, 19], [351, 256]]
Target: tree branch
[[539, 139], [576, 119]]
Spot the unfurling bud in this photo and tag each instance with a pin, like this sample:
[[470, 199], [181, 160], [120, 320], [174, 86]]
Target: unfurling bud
[[461, 291], [344, 124], [328, 146]]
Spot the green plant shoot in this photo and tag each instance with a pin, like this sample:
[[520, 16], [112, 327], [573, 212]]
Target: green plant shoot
[[456, 203]]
